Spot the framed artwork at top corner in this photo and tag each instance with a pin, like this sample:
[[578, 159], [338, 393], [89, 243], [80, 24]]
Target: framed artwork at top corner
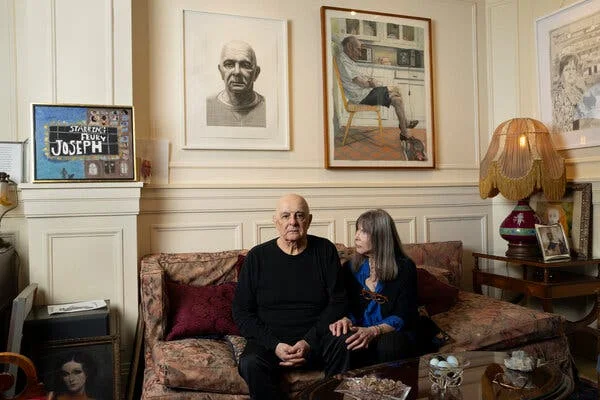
[[569, 83], [82, 143], [377, 89], [235, 82]]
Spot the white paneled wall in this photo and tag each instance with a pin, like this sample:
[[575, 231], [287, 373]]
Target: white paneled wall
[[81, 51], [187, 219]]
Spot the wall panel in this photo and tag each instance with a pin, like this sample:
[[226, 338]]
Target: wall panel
[[170, 216], [181, 238]]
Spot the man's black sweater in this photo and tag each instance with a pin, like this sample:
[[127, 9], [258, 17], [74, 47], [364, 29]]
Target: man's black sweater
[[285, 298]]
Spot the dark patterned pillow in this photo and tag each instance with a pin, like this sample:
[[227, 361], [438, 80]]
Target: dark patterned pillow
[[435, 295], [200, 310]]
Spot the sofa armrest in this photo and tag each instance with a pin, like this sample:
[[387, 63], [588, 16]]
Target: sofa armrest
[[153, 298]]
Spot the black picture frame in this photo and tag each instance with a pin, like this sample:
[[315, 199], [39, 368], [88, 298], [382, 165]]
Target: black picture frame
[[83, 143], [102, 353]]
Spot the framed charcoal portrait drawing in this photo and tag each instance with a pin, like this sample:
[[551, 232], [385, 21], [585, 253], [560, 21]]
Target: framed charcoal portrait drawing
[[235, 82], [377, 89], [569, 83]]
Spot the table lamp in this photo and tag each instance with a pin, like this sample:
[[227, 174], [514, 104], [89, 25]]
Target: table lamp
[[8, 199], [519, 162]]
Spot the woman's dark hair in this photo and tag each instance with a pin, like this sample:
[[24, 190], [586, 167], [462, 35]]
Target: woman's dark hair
[[566, 59], [385, 242], [87, 363]]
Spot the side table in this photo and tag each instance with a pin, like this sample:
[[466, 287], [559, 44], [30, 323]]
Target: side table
[[545, 280]]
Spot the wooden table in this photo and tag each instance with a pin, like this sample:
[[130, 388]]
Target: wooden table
[[544, 280], [415, 373]]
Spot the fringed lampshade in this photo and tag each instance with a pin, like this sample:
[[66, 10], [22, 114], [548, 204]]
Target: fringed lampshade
[[519, 162]]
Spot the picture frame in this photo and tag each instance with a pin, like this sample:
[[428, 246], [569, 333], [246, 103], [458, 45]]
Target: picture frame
[[391, 51], [101, 353], [553, 242], [12, 160], [82, 143], [573, 212], [250, 112], [569, 102]]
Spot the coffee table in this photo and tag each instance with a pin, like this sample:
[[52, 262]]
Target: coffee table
[[414, 373]]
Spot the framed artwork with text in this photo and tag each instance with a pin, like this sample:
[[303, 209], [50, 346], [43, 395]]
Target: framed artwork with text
[[75, 143]]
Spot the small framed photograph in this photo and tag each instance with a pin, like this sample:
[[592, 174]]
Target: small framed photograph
[[377, 89], [74, 143], [553, 242], [572, 212], [88, 366]]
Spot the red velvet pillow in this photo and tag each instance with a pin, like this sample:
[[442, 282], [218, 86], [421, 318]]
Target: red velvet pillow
[[200, 310], [435, 295]]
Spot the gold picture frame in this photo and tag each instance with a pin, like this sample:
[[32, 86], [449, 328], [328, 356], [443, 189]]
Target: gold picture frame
[[102, 355]]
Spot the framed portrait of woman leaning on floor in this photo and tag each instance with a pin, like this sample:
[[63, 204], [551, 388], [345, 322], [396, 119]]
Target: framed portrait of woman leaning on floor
[[86, 367]]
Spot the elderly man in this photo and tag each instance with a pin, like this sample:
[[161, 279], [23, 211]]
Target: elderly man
[[289, 291], [361, 89], [238, 104]]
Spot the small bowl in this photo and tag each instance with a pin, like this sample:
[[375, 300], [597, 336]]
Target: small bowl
[[446, 370]]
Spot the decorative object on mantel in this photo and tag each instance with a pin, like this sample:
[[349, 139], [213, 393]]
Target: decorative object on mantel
[[521, 161], [8, 199]]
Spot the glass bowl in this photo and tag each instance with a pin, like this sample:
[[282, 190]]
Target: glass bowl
[[446, 370], [372, 387]]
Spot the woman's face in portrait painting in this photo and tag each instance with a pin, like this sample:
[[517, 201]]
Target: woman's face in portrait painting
[[570, 73], [74, 376]]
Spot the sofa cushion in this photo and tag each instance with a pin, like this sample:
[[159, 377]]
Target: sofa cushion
[[435, 295], [200, 310], [441, 274], [199, 364], [201, 269], [478, 322]]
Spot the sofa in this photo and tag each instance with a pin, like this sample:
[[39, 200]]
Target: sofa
[[203, 364]]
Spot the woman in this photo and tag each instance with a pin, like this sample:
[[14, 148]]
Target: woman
[[76, 372], [382, 288], [567, 93]]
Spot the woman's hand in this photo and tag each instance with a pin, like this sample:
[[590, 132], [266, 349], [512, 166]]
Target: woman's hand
[[361, 337], [340, 327]]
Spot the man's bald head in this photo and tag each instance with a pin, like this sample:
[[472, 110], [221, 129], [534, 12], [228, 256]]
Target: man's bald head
[[238, 68]]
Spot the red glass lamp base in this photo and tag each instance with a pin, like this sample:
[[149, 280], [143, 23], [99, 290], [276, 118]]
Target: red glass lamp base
[[518, 229]]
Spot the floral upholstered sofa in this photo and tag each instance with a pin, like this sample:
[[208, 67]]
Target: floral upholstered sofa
[[204, 366]]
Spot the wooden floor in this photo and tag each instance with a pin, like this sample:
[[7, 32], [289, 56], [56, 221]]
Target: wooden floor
[[586, 367], [366, 143], [583, 345]]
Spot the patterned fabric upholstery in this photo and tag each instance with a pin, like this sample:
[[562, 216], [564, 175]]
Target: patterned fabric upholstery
[[478, 322], [206, 369]]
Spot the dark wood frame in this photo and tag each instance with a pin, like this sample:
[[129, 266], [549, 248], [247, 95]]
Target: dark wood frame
[[107, 347], [329, 85]]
